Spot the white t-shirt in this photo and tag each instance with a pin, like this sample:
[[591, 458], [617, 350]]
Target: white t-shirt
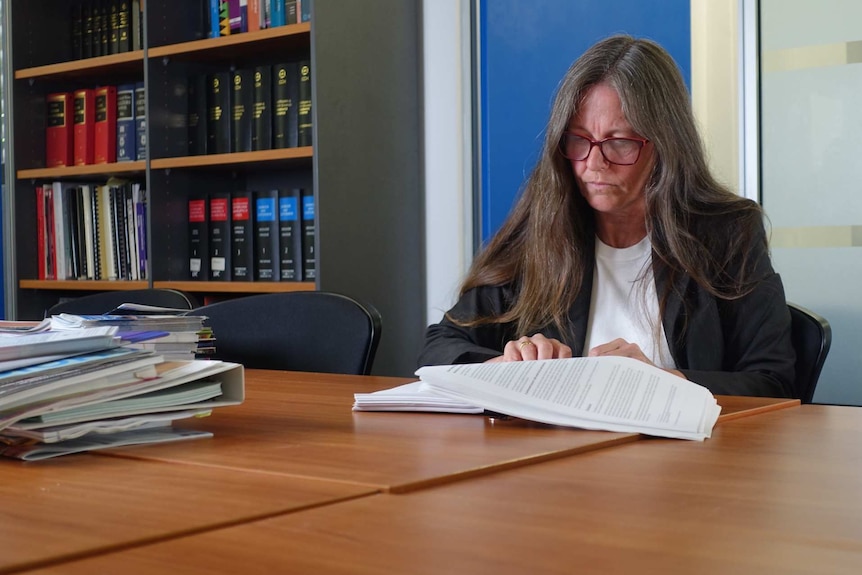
[[625, 303]]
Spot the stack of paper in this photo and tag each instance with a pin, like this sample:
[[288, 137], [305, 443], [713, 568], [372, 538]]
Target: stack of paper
[[605, 393], [168, 332], [68, 391]]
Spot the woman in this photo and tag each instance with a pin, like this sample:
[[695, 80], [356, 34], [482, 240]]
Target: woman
[[622, 243]]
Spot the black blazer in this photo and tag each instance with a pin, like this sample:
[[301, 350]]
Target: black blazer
[[731, 347]]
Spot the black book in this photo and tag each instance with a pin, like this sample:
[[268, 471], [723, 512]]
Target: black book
[[285, 98], [70, 199], [87, 30], [124, 26], [105, 27], [309, 232], [290, 234], [77, 30], [197, 94], [266, 235], [218, 113], [261, 126], [220, 252], [96, 9], [113, 27], [241, 105], [242, 236], [199, 235], [305, 121]]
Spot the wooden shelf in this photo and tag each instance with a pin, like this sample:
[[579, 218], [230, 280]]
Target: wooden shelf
[[247, 159], [82, 285], [98, 66], [214, 49], [235, 287], [72, 172]]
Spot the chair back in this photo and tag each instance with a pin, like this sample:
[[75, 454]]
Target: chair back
[[103, 302], [812, 338], [299, 331]]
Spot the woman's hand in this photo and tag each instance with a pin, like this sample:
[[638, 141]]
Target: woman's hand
[[535, 347], [622, 348]]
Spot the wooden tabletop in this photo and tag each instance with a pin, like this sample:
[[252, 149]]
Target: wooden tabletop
[[78, 505], [780, 492], [302, 425]]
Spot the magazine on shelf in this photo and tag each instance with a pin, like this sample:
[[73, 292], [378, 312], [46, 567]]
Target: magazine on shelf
[[601, 393]]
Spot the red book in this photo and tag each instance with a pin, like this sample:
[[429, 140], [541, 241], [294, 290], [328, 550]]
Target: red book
[[58, 134], [84, 127], [106, 125]]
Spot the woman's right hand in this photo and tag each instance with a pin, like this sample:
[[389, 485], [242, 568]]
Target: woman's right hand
[[533, 347]]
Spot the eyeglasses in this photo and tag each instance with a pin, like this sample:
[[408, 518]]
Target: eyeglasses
[[620, 151]]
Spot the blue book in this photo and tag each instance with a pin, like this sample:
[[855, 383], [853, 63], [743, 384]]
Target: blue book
[[277, 16], [214, 19], [305, 10], [140, 122], [126, 139], [309, 254]]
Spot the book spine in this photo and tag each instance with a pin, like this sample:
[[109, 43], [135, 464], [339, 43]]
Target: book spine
[[224, 18], [141, 223], [254, 15], [197, 120], [89, 238], [84, 127], [124, 26], [113, 27], [126, 123], [96, 224], [235, 17], [261, 131], [77, 30], [305, 118], [140, 122], [309, 233], [104, 29], [59, 131], [50, 233], [220, 250], [285, 98], [218, 113], [214, 18], [290, 235], [243, 16], [87, 30], [304, 10], [198, 230], [136, 28], [266, 235], [276, 16], [106, 125], [290, 14], [266, 18], [242, 94], [40, 234], [73, 226], [242, 237]]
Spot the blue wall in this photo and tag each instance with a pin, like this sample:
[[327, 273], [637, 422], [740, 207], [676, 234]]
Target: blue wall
[[526, 48]]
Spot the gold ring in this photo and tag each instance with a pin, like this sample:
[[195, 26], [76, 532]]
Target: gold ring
[[525, 343]]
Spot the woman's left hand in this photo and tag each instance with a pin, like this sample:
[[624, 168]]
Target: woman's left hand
[[621, 348]]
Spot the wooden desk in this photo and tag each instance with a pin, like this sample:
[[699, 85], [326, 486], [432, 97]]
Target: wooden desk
[[301, 424], [779, 492], [79, 505]]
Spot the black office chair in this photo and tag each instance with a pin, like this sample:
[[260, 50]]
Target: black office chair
[[812, 338], [103, 302], [299, 331]]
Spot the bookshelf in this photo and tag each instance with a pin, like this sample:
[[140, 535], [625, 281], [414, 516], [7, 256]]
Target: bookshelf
[[364, 166]]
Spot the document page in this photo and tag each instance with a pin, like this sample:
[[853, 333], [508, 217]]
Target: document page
[[612, 393]]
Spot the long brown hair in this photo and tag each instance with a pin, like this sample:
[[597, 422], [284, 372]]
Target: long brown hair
[[696, 225]]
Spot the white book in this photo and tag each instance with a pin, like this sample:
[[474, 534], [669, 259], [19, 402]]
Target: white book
[[603, 393]]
